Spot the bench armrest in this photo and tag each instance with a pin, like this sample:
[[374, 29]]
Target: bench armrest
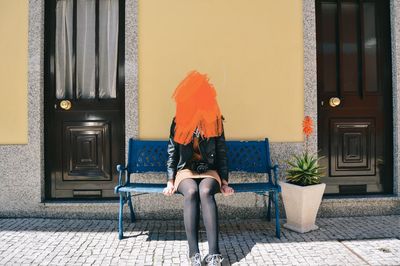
[[275, 169], [121, 170]]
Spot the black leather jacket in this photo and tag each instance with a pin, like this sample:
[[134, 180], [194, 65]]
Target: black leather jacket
[[213, 151]]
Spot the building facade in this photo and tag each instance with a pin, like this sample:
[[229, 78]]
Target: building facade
[[57, 171]]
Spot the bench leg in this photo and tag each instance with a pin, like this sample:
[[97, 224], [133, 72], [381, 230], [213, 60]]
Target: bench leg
[[277, 225], [120, 217], [133, 218], [270, 194]]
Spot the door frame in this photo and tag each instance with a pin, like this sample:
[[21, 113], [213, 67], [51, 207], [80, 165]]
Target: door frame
[[384, 42], [49, 20], [310, 79]]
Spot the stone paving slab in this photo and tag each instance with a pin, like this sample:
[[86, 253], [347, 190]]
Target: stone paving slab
[[376, 252], [339, 241]]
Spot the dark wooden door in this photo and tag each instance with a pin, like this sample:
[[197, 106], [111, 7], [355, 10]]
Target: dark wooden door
[[354, 95], [84, 97]]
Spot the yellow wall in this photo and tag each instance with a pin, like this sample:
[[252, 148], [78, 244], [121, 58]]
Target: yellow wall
[[252, 51], [13, 71]]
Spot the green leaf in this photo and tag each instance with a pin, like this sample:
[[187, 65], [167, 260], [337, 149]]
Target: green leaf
[[304, 169]]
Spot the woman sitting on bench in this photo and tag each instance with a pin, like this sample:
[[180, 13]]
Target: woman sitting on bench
[[197, 163]]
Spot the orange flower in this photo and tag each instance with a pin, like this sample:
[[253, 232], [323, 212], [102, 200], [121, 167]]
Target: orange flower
[[307, 126]]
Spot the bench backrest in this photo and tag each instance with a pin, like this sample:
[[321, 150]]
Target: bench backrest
[[245, 156]]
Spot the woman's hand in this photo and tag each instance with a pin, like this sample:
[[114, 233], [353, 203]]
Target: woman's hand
[[169, 189], [225, 189]]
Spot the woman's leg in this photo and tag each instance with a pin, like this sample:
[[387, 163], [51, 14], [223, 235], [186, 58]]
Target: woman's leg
[[191, 211], [207, 189]]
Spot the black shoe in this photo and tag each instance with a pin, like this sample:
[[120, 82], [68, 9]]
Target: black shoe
[[195, 260], [214, 260]]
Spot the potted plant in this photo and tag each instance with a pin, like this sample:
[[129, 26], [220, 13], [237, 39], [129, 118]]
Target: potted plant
[[302, 192]]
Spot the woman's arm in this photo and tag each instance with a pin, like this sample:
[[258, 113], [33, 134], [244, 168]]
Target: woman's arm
[[172, 162], [222, 161], [173, 154], [222, 165]]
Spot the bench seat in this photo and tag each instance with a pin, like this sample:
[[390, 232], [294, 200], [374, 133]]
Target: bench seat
[[260, 187], [142, 188]]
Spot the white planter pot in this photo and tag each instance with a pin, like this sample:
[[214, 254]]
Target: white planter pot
[[301, 205]]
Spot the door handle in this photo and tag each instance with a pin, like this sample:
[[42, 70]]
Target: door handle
[[65, 104], [334, 101]]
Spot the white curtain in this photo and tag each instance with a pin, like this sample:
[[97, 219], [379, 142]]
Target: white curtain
[[86, 48], [108, 48], [64, 49]]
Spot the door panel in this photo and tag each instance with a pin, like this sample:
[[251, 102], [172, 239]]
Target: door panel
[[84, 97], [370, 48], [353, 148], [87, 151], [354, 95], [349, 48], [327, 35]]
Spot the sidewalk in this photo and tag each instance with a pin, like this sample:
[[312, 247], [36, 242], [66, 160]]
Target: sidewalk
[[339, 241]]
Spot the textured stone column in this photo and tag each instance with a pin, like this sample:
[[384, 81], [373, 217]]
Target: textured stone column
[[395, 22], [131, 71]]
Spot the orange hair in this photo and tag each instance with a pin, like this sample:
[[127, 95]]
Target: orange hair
[[196, 106]]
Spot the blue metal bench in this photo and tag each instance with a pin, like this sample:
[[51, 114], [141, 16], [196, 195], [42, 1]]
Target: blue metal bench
[[243, 156]]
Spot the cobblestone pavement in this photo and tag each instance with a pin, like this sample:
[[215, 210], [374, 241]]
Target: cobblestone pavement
[[339, 241]]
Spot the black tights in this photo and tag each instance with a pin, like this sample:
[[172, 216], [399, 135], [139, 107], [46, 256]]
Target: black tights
[[196, 192]]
